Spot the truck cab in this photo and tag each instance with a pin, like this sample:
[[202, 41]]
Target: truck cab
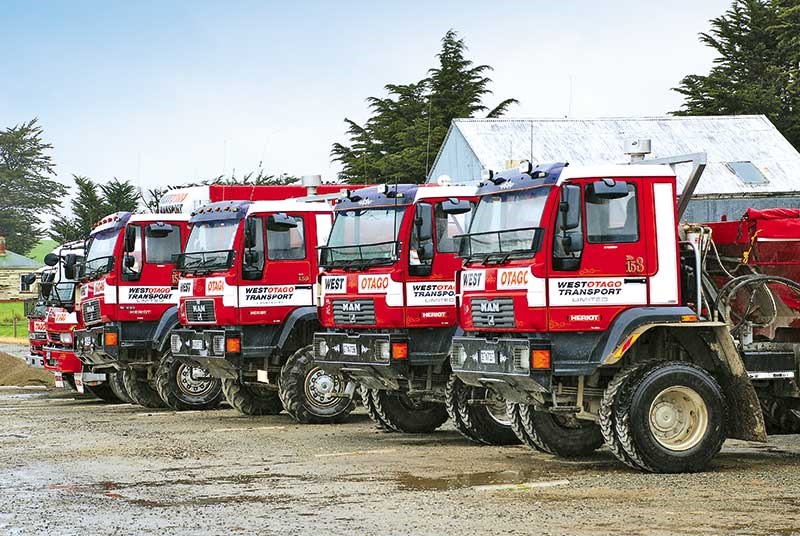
[[387, 299], [127, 299], [248, 275]]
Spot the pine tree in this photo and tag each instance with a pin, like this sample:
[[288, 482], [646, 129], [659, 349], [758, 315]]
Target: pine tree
[[400, 139], [756, 71]]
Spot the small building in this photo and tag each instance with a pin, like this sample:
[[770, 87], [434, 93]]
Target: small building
[[750, 164], [12, 267]]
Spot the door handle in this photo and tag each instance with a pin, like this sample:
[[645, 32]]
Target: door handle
[[640, 280]]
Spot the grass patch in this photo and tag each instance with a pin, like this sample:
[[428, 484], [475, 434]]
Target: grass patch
[[41, 249], [9, 311]]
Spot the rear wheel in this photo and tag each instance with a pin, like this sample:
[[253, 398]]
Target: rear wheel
[[310, 394], [479, 413], [557, 433], [250, 398], [69, 379], [780, 417], [672, 418], [118, 387], [184, 387], [369, 405], [401, 413], [103, 391], [141, 391]]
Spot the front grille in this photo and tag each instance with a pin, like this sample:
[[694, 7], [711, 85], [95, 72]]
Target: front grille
[[200, 311], [91, 311], [496, 313], [354, 311]]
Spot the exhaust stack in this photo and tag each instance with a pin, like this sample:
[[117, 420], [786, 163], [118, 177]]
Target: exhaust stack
[[311, 182], [638, 149]]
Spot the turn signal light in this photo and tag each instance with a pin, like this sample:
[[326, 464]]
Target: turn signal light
[[400, 350], [688, 318], [540, 359], [110, 338], [233, 345]]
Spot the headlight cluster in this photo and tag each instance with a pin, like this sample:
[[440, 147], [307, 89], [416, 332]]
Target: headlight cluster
[[66, 338]]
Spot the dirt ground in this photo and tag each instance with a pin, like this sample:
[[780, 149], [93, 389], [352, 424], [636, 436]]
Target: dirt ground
[[14, 371], [70, 466]]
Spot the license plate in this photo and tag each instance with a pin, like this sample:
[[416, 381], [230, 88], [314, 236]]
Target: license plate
[[79, 383], [87, 341], [488, 357], [197, 344], [350, 349]]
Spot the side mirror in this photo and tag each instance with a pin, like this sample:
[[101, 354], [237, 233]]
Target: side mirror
[[456, 206], [46, 288], [250, 231], [158, 230], [425, 251], [128, 262], [251, 258], [572, 242], [130, 238], [281, 222], [424, 222], [29, 279], [51, 259], [70, 260], [608, 189], [570, 207]]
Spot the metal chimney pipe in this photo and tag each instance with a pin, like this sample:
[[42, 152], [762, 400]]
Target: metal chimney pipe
[[638, 149], [311, 182]]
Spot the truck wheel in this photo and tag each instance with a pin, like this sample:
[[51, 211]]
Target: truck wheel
[[118, 387], [488, 424], [618, 386], [369, 405], [401, 413], [140, 390], [251, 399], [183, 387], [518, 426], [309, 393], [104, 392], [69, 379], [672, 419], [779, 417], [560, 434]]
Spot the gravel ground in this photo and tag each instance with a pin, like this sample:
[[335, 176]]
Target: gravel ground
[[70, 466]]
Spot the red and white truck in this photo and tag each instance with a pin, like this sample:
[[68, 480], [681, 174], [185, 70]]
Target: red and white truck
[[387, 301], [248, 274]]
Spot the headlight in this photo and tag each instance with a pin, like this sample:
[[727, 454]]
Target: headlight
[[383, 350], [521, 361], [458, 355], [322, 348], [218, 344], [66, 338], [175, 343]]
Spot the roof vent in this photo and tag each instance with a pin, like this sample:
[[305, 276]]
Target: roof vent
[[637, 149], [311, 182]]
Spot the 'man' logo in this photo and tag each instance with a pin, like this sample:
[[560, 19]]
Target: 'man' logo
[[351, 307], [199, 308], [490, 307]]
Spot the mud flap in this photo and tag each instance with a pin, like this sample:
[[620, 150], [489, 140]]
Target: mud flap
[[745, 419]]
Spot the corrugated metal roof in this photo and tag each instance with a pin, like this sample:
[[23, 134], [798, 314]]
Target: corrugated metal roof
[[595, 141]]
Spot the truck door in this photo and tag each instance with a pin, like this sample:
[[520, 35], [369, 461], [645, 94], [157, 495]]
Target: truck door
[[600, 267]]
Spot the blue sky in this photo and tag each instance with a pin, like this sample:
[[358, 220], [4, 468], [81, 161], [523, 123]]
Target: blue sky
[[166, 92]]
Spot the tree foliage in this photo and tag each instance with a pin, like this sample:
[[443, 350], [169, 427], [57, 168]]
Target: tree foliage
[[27, 186], [758, 67], [92, 202], [400, 139]]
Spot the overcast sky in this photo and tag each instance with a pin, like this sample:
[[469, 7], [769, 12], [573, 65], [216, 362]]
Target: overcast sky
[[166, 92]]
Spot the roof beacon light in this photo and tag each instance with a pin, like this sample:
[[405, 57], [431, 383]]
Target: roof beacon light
[[444, 180], [525, 166]]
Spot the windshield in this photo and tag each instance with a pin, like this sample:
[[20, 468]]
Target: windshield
[[101, 251], [506, 222], [209, 246], [368, 235], [62, 293]]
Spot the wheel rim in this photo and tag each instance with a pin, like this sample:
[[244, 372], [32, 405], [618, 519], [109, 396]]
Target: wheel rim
[[496, 408], [190, 385], [678, 418], [322, 387]]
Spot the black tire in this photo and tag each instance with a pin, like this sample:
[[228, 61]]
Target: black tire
[[779, 417], [635, 405], [140, 390], [103, 391], [251, 399], [481, 423], [304, 390], [400, 413], [69, 379], [618, 386], [518, 425], [118, 387], [369, 405], [561, 434], [178, 388]]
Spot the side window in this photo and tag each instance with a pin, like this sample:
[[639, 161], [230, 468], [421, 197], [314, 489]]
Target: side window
[[162, 249], [568, 238], [287, 245], [447, 227], [420, 252], [133, 259], [253, 263], [612, 220]]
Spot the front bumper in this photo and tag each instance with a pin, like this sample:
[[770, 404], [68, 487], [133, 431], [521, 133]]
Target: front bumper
[[502, 365], [90, 347], [61, 360], [363, 357], [206, 349]]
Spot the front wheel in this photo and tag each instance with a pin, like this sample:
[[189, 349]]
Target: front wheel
[[118, 387], [672, 418], [399, 412], [479, 414], [104, 392], [310, 394], [140, 389], [251, 398], [183, 387]]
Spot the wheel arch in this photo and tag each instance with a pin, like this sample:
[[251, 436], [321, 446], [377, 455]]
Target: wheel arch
[[168, 322], [298, 330]]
